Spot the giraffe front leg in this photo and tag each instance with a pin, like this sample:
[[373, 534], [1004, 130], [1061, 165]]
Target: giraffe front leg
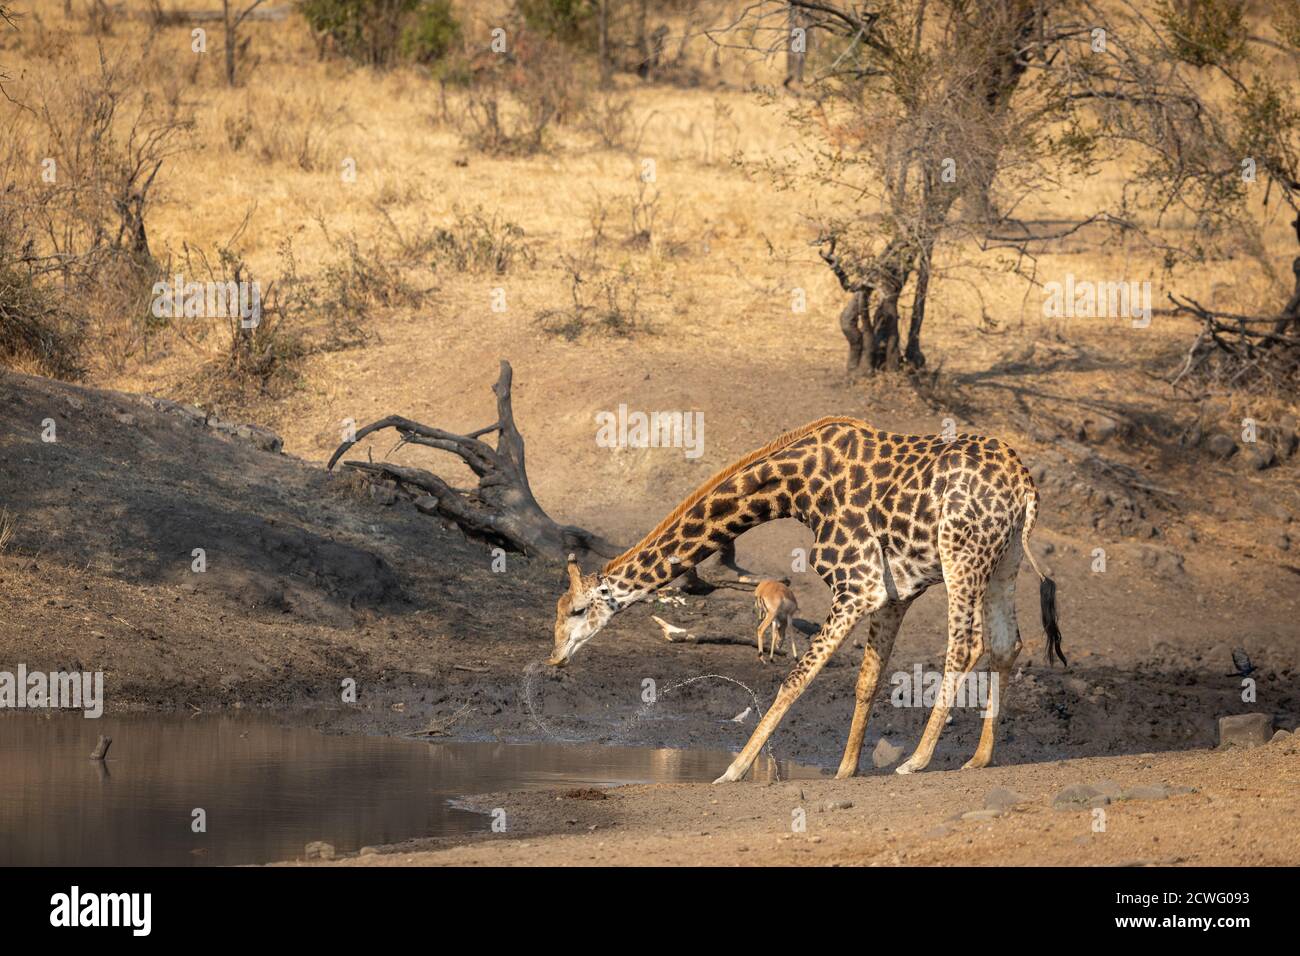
[[843, 616], [880, 644]]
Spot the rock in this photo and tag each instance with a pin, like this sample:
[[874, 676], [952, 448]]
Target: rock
[[1282, 542], [1002, 799], [1108, 788], [1079, 796], [1145, 793], [1099, 428], [262, 438], [1165, 560], [829, 805], [318, 850], [1287, 438], [1258, 455], [1221, 446], [1245, 730], [368, 851], [885, 753], [1281, 737], [982, 814]]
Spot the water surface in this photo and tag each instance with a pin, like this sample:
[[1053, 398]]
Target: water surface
[[268, 789]]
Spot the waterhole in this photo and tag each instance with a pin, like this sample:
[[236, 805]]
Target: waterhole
[[263, 789]]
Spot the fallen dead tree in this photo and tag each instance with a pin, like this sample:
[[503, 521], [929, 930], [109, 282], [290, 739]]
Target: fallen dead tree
[[1237, 349], [502, 510]]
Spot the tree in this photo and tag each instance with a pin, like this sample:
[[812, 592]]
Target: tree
[[918, 109], [232, 19]]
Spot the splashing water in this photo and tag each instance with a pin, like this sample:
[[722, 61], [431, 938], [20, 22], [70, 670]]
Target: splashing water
[[529, 689]]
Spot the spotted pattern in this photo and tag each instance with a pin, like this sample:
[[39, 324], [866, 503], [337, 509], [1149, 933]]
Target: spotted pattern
[[891, 515]]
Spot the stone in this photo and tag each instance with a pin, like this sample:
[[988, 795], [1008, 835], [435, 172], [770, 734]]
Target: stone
[[982, 814], [1221, 446], [319, 850], [1099, 428], [1079, 796], [1282, 542], [1287, 438], [1145, 793], [1108, 788], [1002, 799], [885, 753], [1164, 560], [829, 805], [1281, 737], [374, 851], [1258, 455], [1245, 730]]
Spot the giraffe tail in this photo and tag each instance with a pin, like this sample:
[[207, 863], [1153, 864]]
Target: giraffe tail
[[1046, 586]]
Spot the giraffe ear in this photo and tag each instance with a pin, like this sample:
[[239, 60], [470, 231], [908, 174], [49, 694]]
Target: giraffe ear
[[575, 575]]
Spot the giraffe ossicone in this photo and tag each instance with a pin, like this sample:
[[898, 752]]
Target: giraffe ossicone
[[891, 515]]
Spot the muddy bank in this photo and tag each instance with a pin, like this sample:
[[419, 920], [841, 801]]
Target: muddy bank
[[1194, 808]]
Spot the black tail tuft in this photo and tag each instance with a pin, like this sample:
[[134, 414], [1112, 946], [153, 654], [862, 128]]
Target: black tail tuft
[[1047, 597]]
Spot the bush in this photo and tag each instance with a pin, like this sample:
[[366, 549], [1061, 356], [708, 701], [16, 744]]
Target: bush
[[379, 32], [36, 334], [572, 21], [431, 33]]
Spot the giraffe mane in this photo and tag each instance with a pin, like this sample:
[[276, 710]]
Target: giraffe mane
[[710, 484]]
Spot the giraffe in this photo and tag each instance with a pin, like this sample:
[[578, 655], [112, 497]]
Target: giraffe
[[891, 515]]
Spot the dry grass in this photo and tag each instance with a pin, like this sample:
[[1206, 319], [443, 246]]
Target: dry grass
[[710, 254]]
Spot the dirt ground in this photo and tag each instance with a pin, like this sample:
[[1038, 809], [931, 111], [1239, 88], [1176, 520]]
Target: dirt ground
[[1233, 813], [1168, 556], [310, 580]]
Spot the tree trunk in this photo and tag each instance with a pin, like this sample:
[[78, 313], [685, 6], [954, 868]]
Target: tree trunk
[[606, 66], [230, 43], [855, 323], [501, 510], [914, 356]]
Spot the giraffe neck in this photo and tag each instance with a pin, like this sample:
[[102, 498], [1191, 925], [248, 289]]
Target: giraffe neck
[[702, 525]]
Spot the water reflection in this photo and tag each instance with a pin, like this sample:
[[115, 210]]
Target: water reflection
[[266, 790]]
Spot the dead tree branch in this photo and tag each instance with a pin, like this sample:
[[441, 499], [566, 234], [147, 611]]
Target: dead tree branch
[[502, 509]]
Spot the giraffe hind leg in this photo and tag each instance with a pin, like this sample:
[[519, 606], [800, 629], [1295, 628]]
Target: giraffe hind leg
[[965, 644], [1002, 639]]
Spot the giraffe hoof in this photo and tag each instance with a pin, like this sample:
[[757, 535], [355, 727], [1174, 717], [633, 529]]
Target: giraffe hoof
[[726, 778], [906, 767], [974, 764], [846, 773]]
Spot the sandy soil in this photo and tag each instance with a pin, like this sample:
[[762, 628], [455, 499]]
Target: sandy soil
[[1232, 814], [311, 580]]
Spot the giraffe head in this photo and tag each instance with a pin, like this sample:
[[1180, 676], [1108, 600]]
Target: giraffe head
[[582, 610]]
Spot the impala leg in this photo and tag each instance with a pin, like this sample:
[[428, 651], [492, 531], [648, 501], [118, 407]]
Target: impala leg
[[761, 629]]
